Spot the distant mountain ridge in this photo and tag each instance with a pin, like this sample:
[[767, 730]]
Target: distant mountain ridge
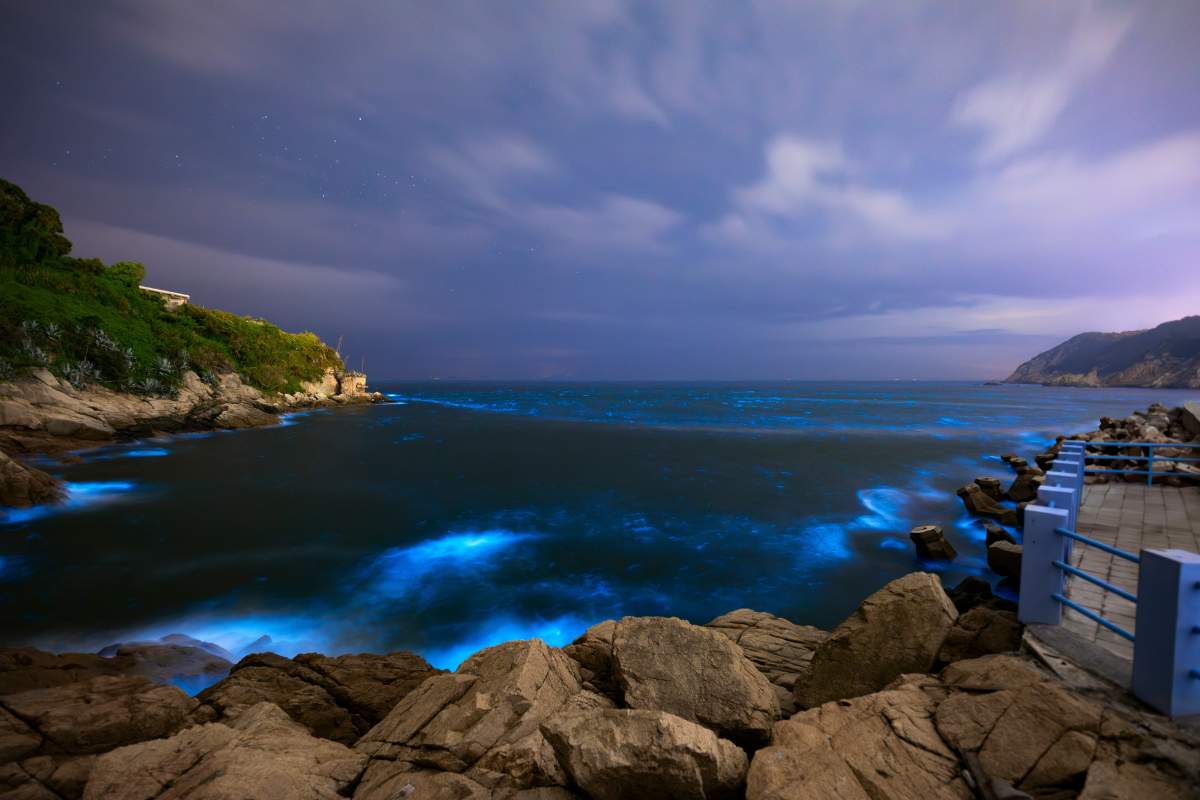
[[1164, 357]]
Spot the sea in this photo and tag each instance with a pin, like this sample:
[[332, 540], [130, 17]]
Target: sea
[[458, 515]]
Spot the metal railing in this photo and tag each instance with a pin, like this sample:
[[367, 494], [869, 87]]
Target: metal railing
[[1148, 457], [1166, 646]]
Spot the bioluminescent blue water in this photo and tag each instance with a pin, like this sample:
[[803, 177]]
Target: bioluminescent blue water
[[461, 515]]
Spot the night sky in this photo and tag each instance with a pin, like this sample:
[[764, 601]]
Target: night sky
[[605, 190]]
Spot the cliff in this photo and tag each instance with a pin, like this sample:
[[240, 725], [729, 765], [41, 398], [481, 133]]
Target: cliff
[[1164, 357]]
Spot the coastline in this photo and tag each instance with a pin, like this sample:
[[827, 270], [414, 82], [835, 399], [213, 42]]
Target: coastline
[[41, 414]]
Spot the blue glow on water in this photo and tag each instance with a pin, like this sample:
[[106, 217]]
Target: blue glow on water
[[195, 684], [400, 571], [554, 632], [889, 543], [80, 496], [154, 452]]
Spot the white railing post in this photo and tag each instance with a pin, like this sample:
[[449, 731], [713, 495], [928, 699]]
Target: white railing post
[[1166, 650], [1040, 579], [1061, 497]]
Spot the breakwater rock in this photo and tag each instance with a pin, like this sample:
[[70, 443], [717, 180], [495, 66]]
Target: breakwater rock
[[906, 699], [40, 412], [1157, 425]]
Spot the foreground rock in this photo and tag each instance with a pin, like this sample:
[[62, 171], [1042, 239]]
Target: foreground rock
[[337, 698], [618, 753], [22, 485], [931, 543], [1004, 558], [666, 664], [781, 650], [979, 504], [483, 720], [979, 632], [898, 629], [262, 754], [49, 737]]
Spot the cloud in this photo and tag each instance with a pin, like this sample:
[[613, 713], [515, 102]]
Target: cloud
[[804, 178], [1014, 111]]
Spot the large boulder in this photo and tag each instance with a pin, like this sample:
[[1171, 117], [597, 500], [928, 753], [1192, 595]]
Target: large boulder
[[667, 664], [781, 650], [1004, 558], [338, 698], [898, 629], [483, 720], [979, 504], [881, 745], [22, 485], [980, 632], [620, 753], [931, 543], [263, 754]]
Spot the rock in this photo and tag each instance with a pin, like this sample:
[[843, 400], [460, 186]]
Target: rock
[[621, 753], [980, 632], [973, 592], [898, 629], [484, 716], [780, 649], [22, 669], [22, 486], [25, 668], [99, 714], [980, 504], [1004, 558], [666, 664], [385, 780], [994, 533], [1189, 418], [991, 487], [263, 754], [881, 745], [183, 665], [931, 543], [593, 652], [335, 698], [1025, 486]]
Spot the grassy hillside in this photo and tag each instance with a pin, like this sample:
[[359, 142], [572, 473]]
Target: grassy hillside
[[89, 322]]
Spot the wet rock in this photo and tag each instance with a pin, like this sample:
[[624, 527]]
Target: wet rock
[[881, 745], [620, 753], [666, 664], [262, 754], [991, 487], [978, 503], [1004, 558], [898, 629], [1024, 487], [496, 701], [994, 533], [931, 544], [22, 486], [980, 632], [337, 698]]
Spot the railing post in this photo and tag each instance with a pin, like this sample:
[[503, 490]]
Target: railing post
[[1150, 465], [1061, 497], [1166, 652], [1040, 579]]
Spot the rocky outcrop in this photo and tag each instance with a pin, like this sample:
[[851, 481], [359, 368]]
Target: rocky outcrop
[[612, 754], [979, 632], [163, 661], [338, 698], [981, 505], [930, 542], [262, 754], [22, 485], [781, 650], [1164, 357], [666, 664], [898, 629]]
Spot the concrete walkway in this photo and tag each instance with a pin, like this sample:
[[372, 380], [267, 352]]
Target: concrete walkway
[[1131, 516]]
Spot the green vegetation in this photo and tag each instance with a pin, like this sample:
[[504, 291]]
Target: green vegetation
[[88, 322]]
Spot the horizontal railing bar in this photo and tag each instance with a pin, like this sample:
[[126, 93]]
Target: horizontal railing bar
[[1117, 590], [1099, 545], [1092, 615], [1155, 457], [1160, 473], [1141, 444]]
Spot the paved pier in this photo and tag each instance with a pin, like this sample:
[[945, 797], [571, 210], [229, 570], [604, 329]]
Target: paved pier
[[1130, 516]]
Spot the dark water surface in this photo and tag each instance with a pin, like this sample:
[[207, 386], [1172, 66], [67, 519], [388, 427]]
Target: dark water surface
[[461, 515]]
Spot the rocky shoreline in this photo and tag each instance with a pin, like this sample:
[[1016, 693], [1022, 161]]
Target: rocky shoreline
[[920, 693], [43, 414]]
